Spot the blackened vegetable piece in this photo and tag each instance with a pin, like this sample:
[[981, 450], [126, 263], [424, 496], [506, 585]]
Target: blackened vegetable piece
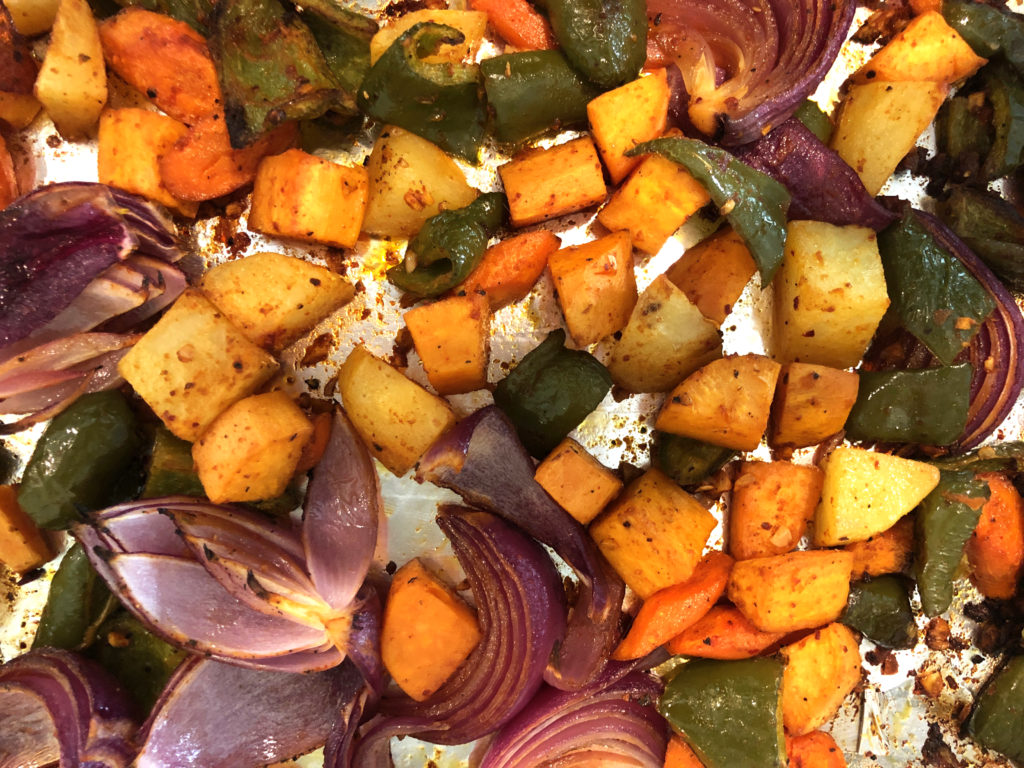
[[991, 227], [688, 461], [995, 719], [754, 204], [532, 92], [82, 454], [606, 40], [729, 711], [271, 69], [988, 30], [880, 610], [78, 601], [1004, 90], [449, 246], [196, 13], [440, 102], [962, 133], [550, 392], [933, 294], [945, 521], [927, 406], [344, 37], [1001, 457]]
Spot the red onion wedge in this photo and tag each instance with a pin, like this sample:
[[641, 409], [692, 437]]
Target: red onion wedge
[[58, 707], [520, 607], [482, 460], [746, 64]]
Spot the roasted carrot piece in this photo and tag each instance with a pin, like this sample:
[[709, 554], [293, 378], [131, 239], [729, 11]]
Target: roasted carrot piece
[[816, 749], [510, 268], [995, 551], [679, 755], [669, 611], [723, 633], [518, 22]]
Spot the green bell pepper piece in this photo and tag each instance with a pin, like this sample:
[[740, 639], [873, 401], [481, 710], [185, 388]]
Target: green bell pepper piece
[[1002, 457], [606, 40], [933, 294], [961, 129], [754, 204], [991, 227], [945, 521], [996, 717], [815, 120], [1005, 92], [550, 392], [880, 610], [532, 92], [729, 711], [440, 102], [171, 470], [344, 37], [926, 406], [196, 13], [687, 460], [79, 460], [449, 246], [77, 603], [989, 31]]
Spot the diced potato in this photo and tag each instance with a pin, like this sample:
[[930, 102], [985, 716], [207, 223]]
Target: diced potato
[[878, 124], [472, 24], [666, 339], [452, 339], [654, 534], [816, 749], [772, 505], [811, 404], [410, 181], [427, 631], [596, 286], [727, 402], [544, 183], [890, 551], [714, 273], [396, 417], [866, 492], [193, 364], [131, 143], [22, 546], [798, 590], [72, 82], [251, 450], [306, 197], [511, 267], [273, 298], [830, 294], [18, 110], [926, 49], [821, 670], [626, 116], [32, 17], [581, 484], [654, 202]]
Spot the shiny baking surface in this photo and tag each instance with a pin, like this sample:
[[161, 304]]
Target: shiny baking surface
[[884, 725]]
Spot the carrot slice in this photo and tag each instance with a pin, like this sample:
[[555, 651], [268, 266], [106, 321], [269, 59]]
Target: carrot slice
[[671, 610], [995, 551], [518, 22], [723, 633], [510, 268], [816, 749], [679, 755]]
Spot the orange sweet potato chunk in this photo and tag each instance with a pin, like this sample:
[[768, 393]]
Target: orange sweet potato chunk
[[890, 551], [772, 505], [816, 749], [995, 551], [821, 670]]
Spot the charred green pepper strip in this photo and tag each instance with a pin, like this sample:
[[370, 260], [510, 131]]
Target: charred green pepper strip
[[449, 246], [440, 102], [945, 521], [77, 603], [816, 121], [754, 204], [996, 717], [606, 40], [271, 69], [1005, 92], [935, 297], [532, 92], [880, 610], [991, 227], [196, 13], [927, 406], [550, 392], [344, 37], [171, 470], [1002, 457], [989, 31], [729, 711], [80, 457], [689, 461], [961, 129]]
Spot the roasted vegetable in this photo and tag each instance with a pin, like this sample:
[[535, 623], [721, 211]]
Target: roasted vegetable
[[880, 610], [687, 460], [995, 721], [991, 227], [606, 40], [77, 603]]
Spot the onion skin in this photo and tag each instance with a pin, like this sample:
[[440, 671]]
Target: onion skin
[[483, 461]]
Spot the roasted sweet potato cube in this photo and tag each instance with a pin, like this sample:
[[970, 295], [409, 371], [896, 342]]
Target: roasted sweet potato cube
[[811, 404], [452, 338], [890, 551], [18, 110], [544, 183], [679, 755], [581, 484], [772, 505], [816, 749], [626, 116], [9, 188], [714, 273], [654, 534], [821, 670], [251, 450], [511, 267], [596, 286], [995, 550], [18, 70], [193, 364], [798, 590], [22, 546], [308, 198], [427, 631], [727, 402]]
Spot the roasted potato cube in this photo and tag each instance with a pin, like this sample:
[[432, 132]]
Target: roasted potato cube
[[22, 546], [654, 534], [273, 298], [714, 273], [193, 364], [626, 116], [32, 17], [811, 403], [251, 450], [821, 670], [451, 338], [581, 484], [772, 505]]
